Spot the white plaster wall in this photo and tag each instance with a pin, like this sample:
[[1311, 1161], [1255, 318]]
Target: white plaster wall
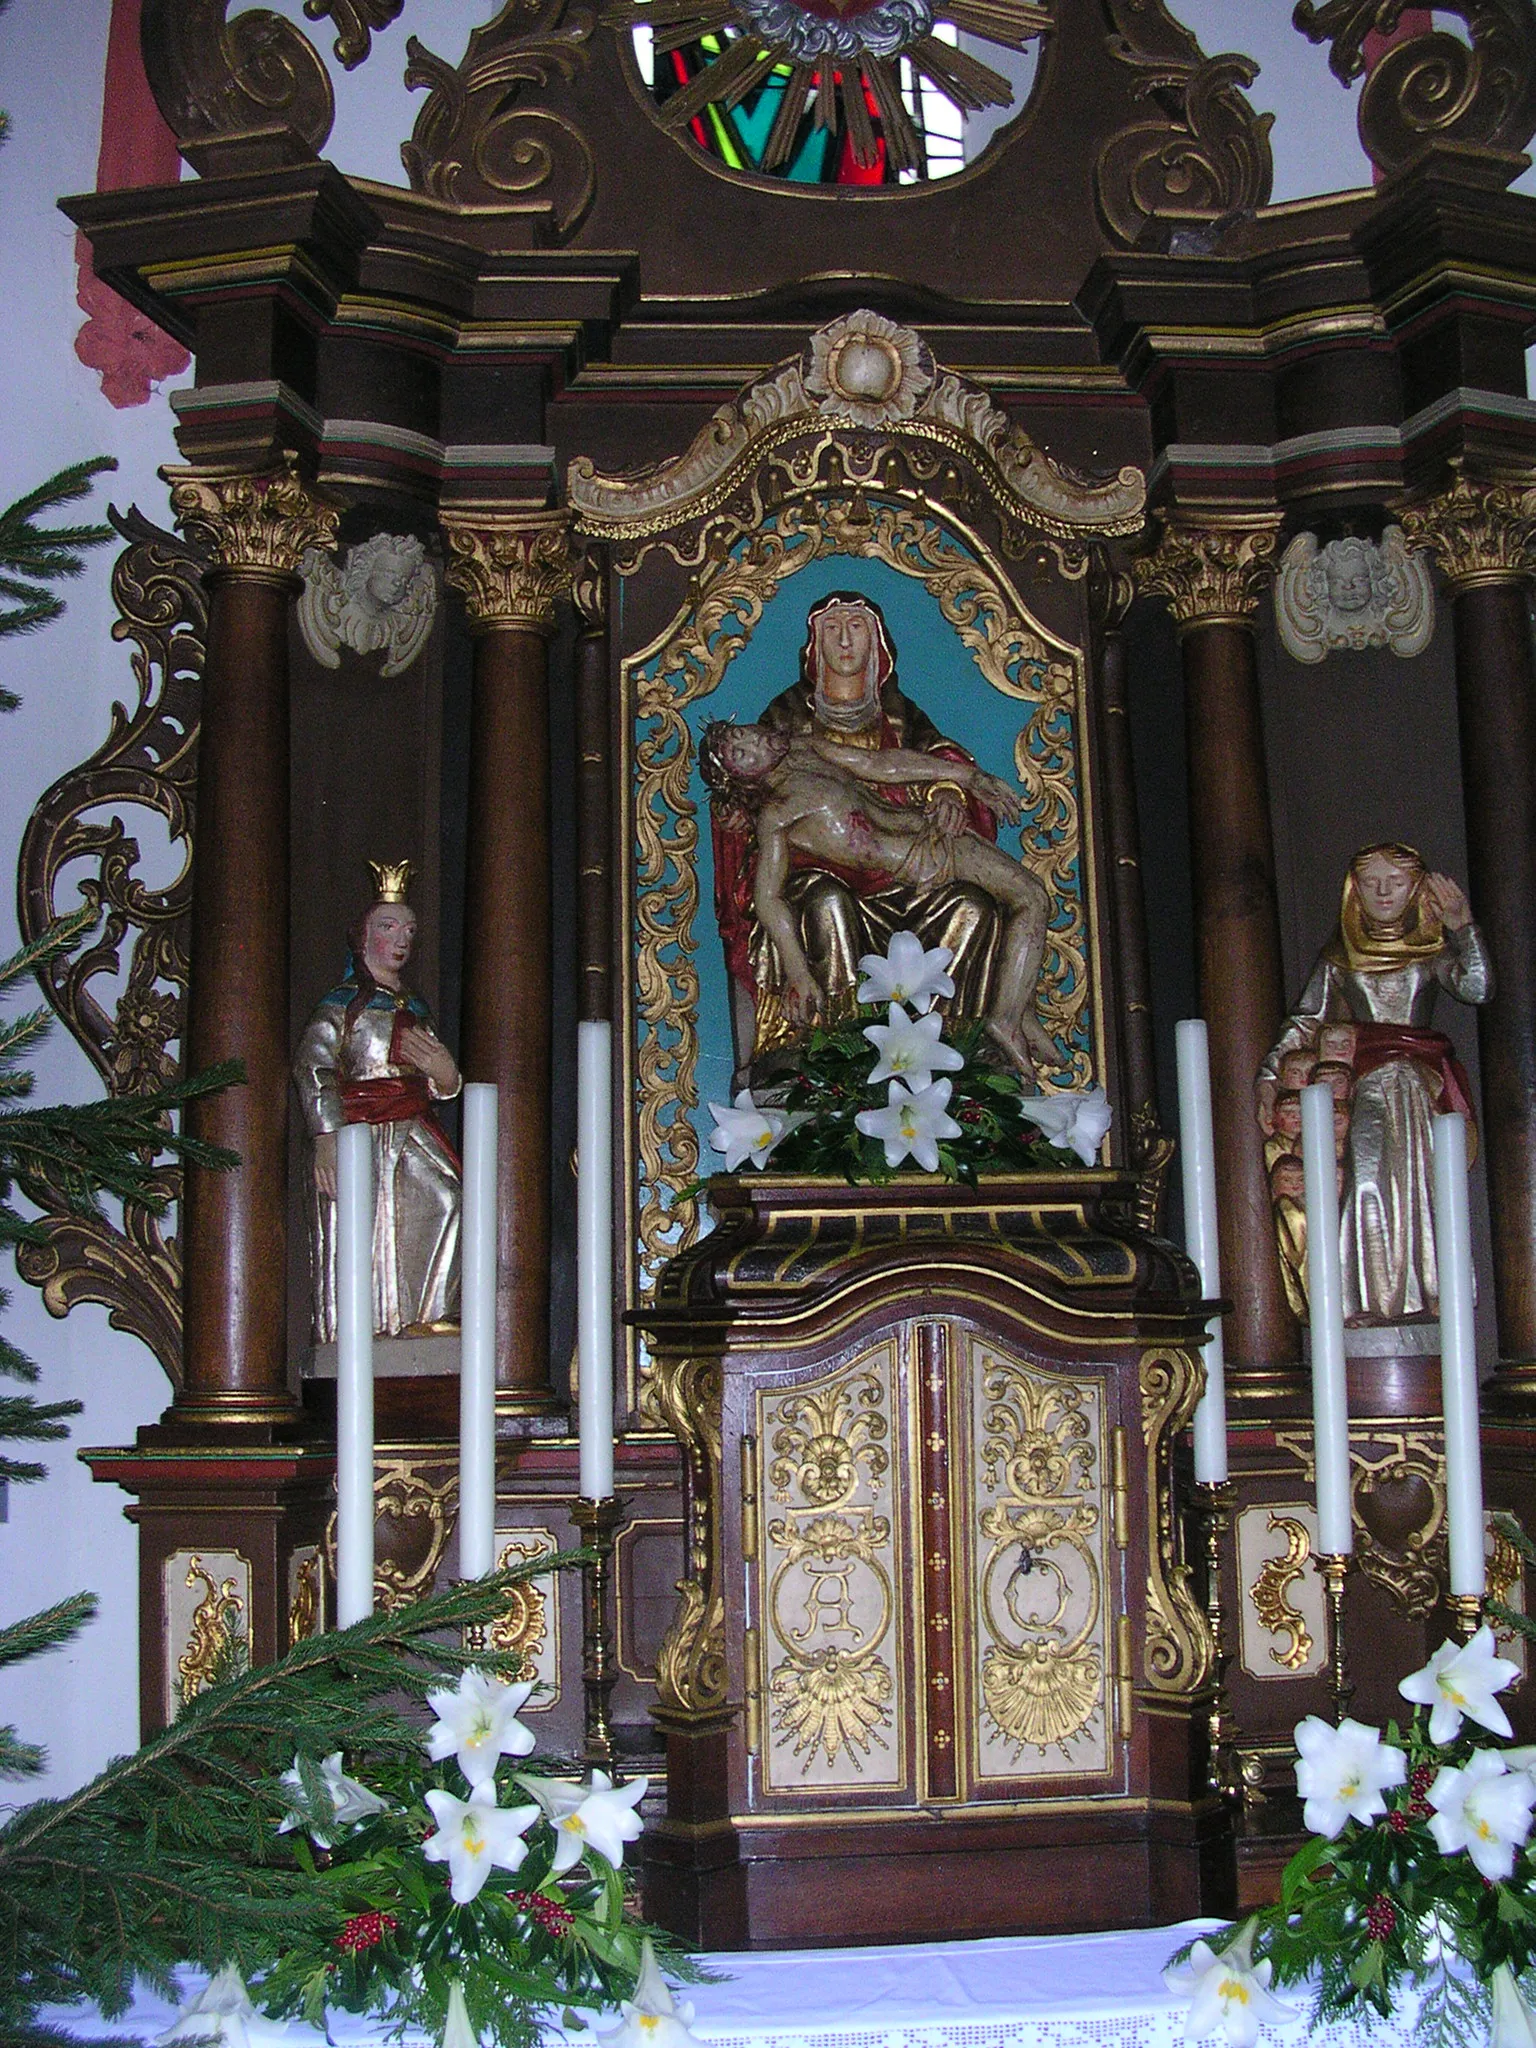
[[65, 1533], [68, 1533]]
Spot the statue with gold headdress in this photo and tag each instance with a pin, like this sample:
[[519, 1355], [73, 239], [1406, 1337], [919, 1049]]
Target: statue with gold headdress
[[371, 1055], [1363, 1026]]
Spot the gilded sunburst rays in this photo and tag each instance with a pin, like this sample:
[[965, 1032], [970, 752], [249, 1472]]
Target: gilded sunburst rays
[[849, 68]]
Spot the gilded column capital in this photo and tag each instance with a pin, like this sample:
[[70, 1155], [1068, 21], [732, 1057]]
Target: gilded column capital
[[257, 523], [1479, 533], [1212, 572], [510, 567]]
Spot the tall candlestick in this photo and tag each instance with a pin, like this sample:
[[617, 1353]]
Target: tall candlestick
[[477, 1337], [354, 1373], [1325, 1304], [1458, 1362], [1198, 1145], [594, 1255]]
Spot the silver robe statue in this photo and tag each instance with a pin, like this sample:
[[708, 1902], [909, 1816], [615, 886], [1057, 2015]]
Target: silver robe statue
[[1403, 1073], [350, 1072]]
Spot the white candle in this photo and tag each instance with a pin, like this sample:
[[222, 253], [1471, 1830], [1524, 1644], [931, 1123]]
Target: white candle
[[594, 1256], [1458, 1361], [1198, 1146], [354, 1373], [1325, 1306], [477, 1336]]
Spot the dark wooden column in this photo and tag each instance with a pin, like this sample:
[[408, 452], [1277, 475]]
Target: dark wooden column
[[1484, 537], [1213, 574], [1128, 903], [234, 1225], [511, 568]]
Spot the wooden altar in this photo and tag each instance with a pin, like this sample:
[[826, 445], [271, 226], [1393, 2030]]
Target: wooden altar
[[938, 1660], [577, 360]]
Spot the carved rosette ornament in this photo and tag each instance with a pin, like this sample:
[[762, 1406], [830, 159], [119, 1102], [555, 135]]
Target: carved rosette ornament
[[1213, 573], [511, 568], [257, 524], [1479, 533]]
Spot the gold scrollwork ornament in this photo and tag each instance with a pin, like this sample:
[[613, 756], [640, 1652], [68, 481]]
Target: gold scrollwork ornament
[[1480, 533], [690, 1666], [1179, 1655], [510, 567], [1270, 1593], [217, 1631], [1213, 572]]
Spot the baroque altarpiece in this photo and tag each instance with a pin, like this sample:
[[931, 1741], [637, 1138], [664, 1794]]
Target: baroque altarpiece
[[500, 487]]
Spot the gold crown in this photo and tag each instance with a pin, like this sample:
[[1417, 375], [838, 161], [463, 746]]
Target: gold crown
[[391, 879]]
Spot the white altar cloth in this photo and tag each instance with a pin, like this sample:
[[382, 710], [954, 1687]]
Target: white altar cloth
[[1043, 1991]]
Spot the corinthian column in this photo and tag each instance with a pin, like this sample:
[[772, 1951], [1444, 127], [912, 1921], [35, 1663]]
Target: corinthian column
[[1213, 574], [1484, 538], [234, 1225], [511, 568]]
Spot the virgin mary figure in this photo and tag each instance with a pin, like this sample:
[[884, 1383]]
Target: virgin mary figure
[[848, 692]]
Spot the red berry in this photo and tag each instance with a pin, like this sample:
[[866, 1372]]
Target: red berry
[[1423, 1777], [1397, 1821], [1380, 1918], [365, 1930]]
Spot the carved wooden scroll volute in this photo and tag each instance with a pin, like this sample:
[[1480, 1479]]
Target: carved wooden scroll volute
[[76, 841]]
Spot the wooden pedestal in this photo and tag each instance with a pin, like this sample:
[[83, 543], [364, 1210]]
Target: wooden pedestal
[[936, 1667]]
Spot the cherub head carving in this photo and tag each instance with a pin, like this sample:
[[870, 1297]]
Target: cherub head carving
[[382, 599]]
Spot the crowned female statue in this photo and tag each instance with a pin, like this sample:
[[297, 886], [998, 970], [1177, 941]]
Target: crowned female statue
[[370, 1055], [1363, 1026], [841, 908]]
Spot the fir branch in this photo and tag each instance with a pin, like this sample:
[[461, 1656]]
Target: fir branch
[[171, 1854], [29, 1638], [33, 556]]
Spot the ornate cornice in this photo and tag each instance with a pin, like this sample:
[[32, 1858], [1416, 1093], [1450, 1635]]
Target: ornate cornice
[[1479, 533], [860, 371], [255, 523], [510, 567], [1212, 572]]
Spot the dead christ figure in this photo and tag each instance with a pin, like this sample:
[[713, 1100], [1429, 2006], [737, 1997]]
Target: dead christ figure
[[807, 795]]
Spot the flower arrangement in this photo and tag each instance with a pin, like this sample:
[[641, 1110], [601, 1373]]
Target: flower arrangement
[[1421, 1874], [925, 1100], [460, 1951]]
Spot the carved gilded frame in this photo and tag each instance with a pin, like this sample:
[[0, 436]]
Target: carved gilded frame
[[747, 554]]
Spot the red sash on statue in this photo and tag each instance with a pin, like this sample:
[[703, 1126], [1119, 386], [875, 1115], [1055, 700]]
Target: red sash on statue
[[1377, 1045], [388, 1101]]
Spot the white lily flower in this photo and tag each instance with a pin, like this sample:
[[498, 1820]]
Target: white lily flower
[[475, 1834], [1514, 2024], [222, 2011], [652, 2018], [591, 1817], [1484, 1808], [1343, 1772], [1460, 1681], [747, 1132], [912, 1123], [350, 1802], [458, 2032], [477, 1725], [911, 1048], [904, 973], [1230, 1992], [1075, 1122]]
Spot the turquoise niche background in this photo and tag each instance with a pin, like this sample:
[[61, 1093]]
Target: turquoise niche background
[[935, 670]]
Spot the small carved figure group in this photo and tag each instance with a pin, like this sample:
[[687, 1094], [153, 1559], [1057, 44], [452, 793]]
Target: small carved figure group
[[842, 815]]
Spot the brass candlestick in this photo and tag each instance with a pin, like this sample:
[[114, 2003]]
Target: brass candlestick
[[476, 1641], [1216, 1498], [1333, 1565], [1466, 1614], [598, 1521]]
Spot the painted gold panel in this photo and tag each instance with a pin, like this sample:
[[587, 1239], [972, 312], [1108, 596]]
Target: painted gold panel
[[829, 1574], [1039, 1513]]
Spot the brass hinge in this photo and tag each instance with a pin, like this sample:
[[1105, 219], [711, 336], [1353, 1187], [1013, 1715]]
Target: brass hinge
[[749, 1499], [753, 1715], [1122, 1490]]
